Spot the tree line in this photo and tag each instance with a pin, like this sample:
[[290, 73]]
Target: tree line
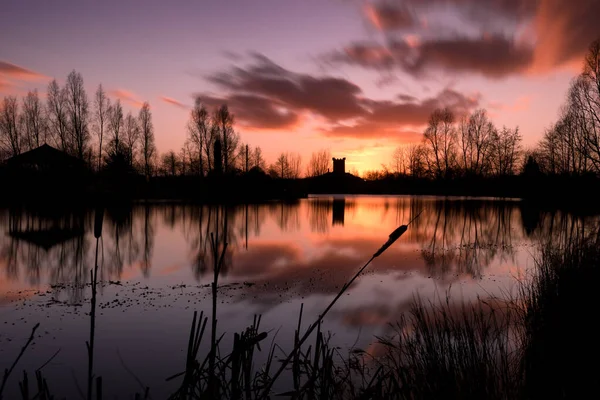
[[572, 145], [457, 147], [101, 134], [473, 146], [208, 131], [97, 132]]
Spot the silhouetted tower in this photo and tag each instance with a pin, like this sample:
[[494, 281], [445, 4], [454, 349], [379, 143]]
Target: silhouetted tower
[[339, 166], [218, 156]]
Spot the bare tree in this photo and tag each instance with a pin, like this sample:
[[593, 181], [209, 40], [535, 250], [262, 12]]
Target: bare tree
[[440, 136], [400, 160], [187, 159], [58, 119], [148, 148], [131, 137], [115, 129], [244, 157], [169, 164], [319, 163], [295, 165], [34, 120], [224, 119], [101, 113], [77, 107], [477, 134], [279, 169], [257, 159], [287, 166], [10, 133], [416, 159], [506, 148], [199, 133]]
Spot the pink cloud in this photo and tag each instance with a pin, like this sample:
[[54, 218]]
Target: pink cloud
[[172, 101], [388, 17], [127, 97], [14, 71]]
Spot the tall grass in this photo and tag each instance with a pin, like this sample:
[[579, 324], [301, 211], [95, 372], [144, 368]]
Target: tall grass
[[561, 351]]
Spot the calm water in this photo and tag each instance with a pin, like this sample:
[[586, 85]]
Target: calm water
[[155, 263]]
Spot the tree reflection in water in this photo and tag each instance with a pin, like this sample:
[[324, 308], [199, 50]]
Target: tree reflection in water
[[455, 236]]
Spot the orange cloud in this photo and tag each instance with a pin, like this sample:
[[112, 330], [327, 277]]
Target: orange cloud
[[386, 16], [127, 97], [548, 35], [564, 30], [172, 101]]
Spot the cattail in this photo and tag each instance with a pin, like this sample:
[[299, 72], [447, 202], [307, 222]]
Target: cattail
[[99, 216], [395, 236]]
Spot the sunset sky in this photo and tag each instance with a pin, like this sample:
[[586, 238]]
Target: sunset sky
[[357, 77]]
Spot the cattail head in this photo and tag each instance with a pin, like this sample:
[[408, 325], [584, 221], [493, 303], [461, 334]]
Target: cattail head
[[393, 237]]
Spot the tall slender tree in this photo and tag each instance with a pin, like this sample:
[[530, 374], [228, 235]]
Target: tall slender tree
[[115, 129], [10, 132], [148, 148], [199, 130], [224, 119], [101, 110], [131, 137], [58, 118], [77, 108], [34, 120]]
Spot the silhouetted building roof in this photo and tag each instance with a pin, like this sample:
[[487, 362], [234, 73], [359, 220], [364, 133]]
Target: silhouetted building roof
[[45, 157]]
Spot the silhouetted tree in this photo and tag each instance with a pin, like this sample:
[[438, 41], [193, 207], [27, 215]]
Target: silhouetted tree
[[506, 148], [400, 160], [131, 137], [257, 159], [77, 108], [115, 125], [10, 134], [199, 133], [58, 119], [477, 134], [148, 148], [169, 164], [319, 163], [224, 119], [101, 113], [34, 120], [440, 137], [244, 156], [187, 160], [572, 145], [287, 166]]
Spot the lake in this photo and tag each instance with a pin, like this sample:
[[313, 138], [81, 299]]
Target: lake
[[155, 264]]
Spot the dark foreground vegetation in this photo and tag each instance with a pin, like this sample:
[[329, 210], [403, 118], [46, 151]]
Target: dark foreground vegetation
[[540, 343]]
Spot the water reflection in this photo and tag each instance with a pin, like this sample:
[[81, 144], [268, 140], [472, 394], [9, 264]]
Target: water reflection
[[280, 242]]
